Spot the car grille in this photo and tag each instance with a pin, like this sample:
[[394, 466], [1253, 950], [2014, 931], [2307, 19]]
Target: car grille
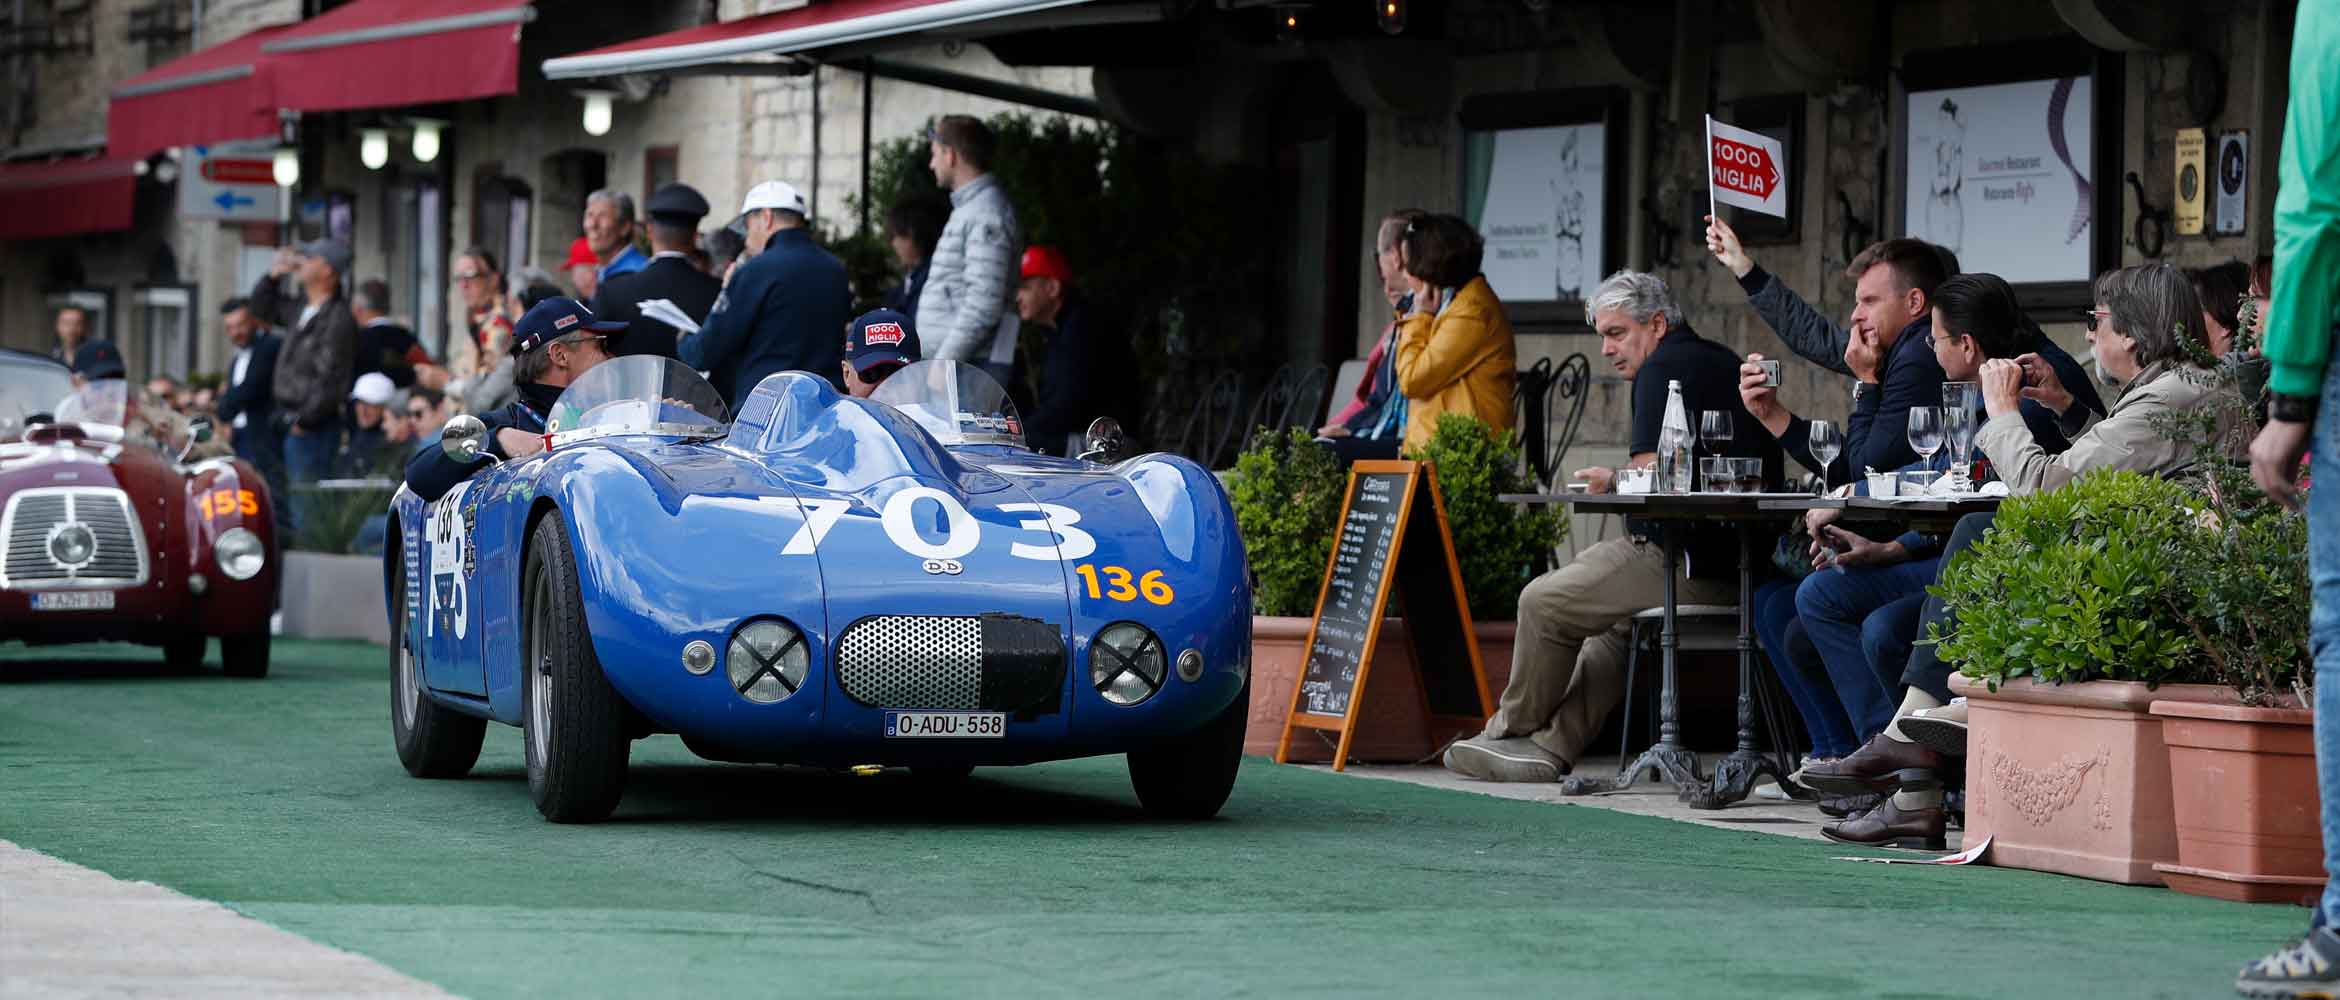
[[1000, 663], [33, 517]]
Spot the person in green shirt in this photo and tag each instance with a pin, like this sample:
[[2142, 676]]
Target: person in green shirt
[[2302, 380]]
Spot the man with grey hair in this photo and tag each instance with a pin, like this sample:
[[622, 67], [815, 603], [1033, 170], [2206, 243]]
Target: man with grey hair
[[555, 343], [609, 230], [1567, 668]]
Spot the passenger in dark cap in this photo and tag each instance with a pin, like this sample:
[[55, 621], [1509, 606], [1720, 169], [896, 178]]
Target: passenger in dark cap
[[675, 211], [877, 344], [557, 341], [96, 359]]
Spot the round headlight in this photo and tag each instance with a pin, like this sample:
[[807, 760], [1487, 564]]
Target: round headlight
[[239, 553], [1126, 663], [767, 660]]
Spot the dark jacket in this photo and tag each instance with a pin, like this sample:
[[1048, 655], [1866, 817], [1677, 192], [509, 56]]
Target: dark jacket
[[390, 349], [904, 298], [317, 363], [1085, 376], [670, 278], [430, 473], [1818, 339], [785, 310], [255, 397], [1709, 373]]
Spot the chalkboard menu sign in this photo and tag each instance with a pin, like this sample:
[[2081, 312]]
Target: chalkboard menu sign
[[1388, 503]]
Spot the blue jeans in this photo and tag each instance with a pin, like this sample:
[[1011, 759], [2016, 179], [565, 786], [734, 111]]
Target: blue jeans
[[2324, 631], [1834, 603], [1798, 666], [308, 457], [1888, 635]]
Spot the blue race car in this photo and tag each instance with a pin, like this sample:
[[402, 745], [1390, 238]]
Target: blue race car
[[820, 580]]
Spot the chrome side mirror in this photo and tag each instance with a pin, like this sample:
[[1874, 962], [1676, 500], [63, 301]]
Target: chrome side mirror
[[464, 438], [198, 432], [1103, 441]]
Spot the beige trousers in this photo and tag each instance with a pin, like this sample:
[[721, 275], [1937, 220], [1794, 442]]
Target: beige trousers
[[1568, 664]]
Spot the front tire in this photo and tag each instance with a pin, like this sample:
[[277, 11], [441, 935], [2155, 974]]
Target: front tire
[[574, 721], [244, 655], [433, 741], [1190, 777]]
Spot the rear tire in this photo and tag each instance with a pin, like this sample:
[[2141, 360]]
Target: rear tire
[[1190, 777], [433, 741], [244, 655], [185, 654], [574, 721]]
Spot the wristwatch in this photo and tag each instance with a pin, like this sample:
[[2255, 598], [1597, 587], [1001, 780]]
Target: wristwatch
[[2292, 409]]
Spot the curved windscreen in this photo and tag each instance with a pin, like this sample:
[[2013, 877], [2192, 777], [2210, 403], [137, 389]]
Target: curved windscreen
[[27, 387], [641, 394], [957, 403], [115, 405]]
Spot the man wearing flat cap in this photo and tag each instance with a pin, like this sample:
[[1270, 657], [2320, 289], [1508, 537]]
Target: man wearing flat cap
[[557, 341], [317, 363], [675, 211]]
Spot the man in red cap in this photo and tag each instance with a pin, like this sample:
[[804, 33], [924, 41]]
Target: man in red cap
[[584, 269], [1083, 372]]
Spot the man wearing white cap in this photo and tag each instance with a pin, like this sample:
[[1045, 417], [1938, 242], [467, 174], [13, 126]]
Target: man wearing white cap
[[362, 449], [781, 309]]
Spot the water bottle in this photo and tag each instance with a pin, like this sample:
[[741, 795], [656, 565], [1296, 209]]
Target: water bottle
[[1674, 465]]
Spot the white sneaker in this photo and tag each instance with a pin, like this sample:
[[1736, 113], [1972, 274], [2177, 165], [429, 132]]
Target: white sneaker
[[1513, 758]]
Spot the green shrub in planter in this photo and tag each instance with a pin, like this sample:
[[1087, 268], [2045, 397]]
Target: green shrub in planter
[[2077, 584], [1499, 544], [1287, 495]]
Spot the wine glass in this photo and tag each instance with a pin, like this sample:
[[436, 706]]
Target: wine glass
[[1825, 443], [1958, 429], [1925, 432], [1714, 430]]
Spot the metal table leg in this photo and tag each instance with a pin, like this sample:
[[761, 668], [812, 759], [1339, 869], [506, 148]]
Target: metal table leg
[[1667, 756], [1735, 776]]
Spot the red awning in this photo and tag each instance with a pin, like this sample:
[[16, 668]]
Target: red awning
[[211, 95], [365, 54], [393, 53], [65, 199], [822, 24]]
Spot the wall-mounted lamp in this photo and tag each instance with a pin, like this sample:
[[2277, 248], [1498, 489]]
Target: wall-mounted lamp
[[598, 110], [287, 167], [374, 147], [1287, 22], [1391, 15], [426, 139]]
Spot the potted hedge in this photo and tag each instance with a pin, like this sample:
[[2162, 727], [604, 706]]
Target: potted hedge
[[1287, 494], [2243, 775], [2066, 636]]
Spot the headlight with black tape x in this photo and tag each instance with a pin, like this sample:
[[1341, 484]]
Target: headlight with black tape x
[[1127, 663], [766, 661]]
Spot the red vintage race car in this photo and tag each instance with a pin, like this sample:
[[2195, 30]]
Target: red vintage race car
[[112, 531]]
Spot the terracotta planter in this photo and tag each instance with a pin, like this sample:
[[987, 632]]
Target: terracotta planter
[[2073, 778], [2243, 783], [1393, 728]]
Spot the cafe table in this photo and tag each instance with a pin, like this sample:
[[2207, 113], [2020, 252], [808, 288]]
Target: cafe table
[[1933, 515], [1674, 513]]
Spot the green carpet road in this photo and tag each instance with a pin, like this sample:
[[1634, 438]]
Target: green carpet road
[[283, 799]]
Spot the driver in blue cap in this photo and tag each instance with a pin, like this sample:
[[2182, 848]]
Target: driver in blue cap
[[555, 343]]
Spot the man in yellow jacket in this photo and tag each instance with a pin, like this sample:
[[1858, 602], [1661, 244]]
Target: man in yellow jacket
[[1455, 353]]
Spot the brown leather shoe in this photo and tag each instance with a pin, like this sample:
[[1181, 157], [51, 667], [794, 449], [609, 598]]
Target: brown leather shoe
[[1841, 806], [1877, 766], [1888, 826]]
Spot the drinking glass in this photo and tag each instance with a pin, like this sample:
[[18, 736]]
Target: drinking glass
[[1714, 474], [1746, 475], [1925, 432], [1825, 444], [1962, 395], [1714, 430], [1958, 429]]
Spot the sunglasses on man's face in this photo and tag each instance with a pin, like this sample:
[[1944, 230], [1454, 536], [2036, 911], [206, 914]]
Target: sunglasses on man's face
[[2095, 316], [418, 413]]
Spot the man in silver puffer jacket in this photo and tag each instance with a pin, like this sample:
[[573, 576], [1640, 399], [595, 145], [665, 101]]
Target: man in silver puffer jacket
[[963, 312]]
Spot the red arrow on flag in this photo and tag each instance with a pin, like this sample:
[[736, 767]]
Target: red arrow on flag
[[1746, 169]]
